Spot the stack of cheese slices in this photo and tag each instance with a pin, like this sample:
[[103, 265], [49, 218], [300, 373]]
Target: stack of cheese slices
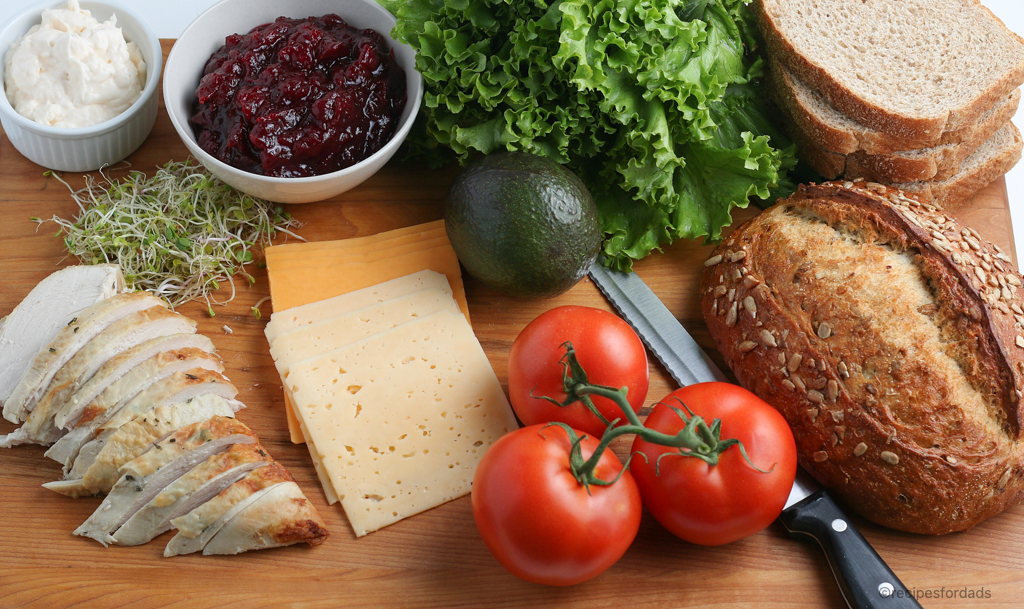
[[912, 93], [134, 404], [393, 393]]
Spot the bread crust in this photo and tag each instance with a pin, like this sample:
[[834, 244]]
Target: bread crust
[[921, 131], [953, 193], [869, 141], [913, 436], [940, 163]]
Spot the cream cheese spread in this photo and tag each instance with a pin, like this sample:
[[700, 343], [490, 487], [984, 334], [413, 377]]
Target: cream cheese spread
[[73, 71]]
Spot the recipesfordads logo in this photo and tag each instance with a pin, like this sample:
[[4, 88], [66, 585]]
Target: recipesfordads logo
[[943, 592]]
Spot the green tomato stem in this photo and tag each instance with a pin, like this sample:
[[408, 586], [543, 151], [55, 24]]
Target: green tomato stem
[[696, 439]]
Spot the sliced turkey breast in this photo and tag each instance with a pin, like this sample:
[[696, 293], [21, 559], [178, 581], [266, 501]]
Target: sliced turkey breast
[[178, 387], [95, 470], [281, 517], [123, 335], [48, 308], [146, 476], [141, 377], [68, 342], [120, 366], [193, 489], [198, 527]]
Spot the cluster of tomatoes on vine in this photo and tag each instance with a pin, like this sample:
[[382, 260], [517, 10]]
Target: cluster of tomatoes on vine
[[713, 463]]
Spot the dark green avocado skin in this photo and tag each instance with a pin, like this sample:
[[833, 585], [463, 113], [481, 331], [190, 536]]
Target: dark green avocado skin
[[522, 224]]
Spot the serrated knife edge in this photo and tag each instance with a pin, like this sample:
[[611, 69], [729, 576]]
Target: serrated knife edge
[[686, 362]]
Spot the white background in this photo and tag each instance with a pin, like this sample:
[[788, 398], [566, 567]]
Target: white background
[[170, 18]]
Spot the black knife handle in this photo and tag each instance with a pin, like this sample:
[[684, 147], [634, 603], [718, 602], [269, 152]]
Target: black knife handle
[[864, 579]]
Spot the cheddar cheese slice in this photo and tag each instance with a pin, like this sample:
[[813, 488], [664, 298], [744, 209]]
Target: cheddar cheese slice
[[399, 236]]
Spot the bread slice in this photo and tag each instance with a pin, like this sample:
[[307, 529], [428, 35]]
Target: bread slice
[[993, 159], [934, 164], [835, 131], [911, 68]]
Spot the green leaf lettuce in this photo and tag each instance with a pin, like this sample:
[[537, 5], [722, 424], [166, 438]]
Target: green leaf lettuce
[[651, 102]]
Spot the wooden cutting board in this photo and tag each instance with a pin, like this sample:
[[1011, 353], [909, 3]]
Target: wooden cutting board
[[435, 559]]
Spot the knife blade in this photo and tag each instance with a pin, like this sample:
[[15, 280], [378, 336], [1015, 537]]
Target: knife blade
[[864, 579]]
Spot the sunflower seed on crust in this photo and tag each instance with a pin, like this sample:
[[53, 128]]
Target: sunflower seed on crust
[[832, 389], [890, 457], [1004, 479], [750, 306], [860, 450], [794, 362], [746, 346]]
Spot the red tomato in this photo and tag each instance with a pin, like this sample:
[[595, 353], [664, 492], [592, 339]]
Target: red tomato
[[539, 522], [714, 505], [609, 351]]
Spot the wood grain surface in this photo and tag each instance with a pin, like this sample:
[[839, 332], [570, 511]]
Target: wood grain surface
[[435, 559]]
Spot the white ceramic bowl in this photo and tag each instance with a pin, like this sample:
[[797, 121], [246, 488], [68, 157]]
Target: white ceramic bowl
[[206, 34], [85, 148]]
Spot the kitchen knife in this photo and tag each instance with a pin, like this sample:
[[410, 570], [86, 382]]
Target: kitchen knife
[[864, 579]]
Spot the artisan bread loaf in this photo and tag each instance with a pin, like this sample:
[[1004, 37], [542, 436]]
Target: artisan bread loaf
[[840, 134], [891, 338], [911, 68]]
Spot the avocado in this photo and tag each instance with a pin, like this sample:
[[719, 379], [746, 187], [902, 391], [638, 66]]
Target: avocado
[[522, 224]]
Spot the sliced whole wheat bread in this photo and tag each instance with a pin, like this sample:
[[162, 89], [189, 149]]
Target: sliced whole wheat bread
[[993, 159], [926, 165], [839, 133], [911, 68]]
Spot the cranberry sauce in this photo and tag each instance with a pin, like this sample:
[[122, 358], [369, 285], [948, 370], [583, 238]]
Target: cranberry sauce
[[299, 97]]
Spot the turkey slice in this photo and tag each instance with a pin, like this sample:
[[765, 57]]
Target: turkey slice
[[141, 377], [177, 387], [48, 308], [198, 527], [195, 488], [125, 334], [69, 340], [123, 364], [96, 468], [144, 477], [281, 517]]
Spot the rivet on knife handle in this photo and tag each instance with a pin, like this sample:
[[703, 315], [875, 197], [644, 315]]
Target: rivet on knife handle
[[864, 579]]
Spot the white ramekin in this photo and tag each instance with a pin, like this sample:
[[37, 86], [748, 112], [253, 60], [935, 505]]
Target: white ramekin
[[85, 148], [206, 34]]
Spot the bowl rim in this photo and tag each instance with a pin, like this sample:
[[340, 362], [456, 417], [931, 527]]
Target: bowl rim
[[413, 103], [107, 126]]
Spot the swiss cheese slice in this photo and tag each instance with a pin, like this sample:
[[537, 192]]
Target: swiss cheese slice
[[303, 273], [401, 419], [336, 332], [323, 326], [290, 320]]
